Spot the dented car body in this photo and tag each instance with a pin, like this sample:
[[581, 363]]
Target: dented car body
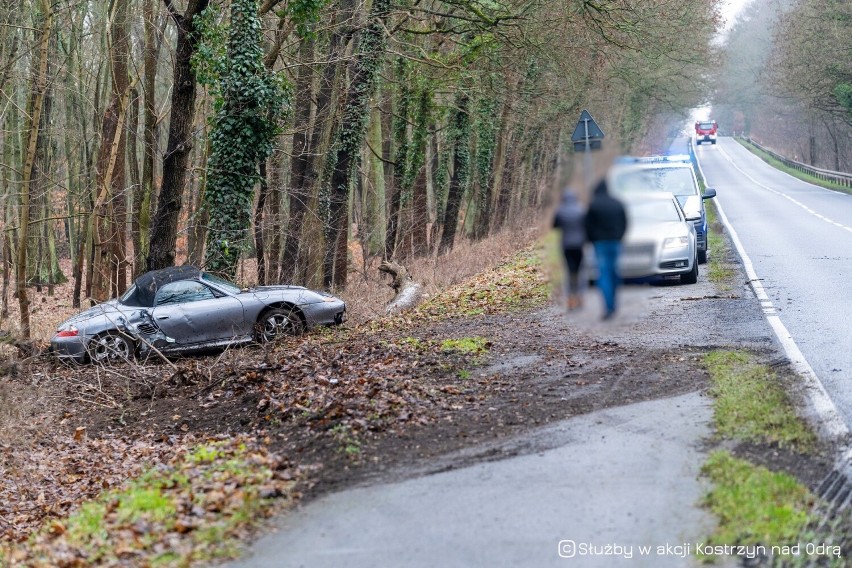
[[183, 309]]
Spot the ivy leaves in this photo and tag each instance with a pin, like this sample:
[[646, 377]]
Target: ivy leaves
[[251, 102]]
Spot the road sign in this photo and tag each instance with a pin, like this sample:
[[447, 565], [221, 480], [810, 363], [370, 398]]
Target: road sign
[[587, 134]]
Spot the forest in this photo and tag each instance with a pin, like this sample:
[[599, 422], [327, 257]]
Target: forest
[[140, 134], [785, 80]]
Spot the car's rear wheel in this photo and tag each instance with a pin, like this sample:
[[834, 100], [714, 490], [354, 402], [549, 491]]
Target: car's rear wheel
[[279, 322], [111, 347], [690, 277]]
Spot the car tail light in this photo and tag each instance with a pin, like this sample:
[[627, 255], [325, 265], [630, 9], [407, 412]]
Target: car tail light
[[70, 332]]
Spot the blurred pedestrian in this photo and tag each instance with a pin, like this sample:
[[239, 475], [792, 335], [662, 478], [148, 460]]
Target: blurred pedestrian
[[570, 220], [606, 223]]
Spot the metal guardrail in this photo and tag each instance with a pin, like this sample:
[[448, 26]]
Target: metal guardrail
[[839, 178]]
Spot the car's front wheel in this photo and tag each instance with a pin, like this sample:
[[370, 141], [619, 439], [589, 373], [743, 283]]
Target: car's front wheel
[[279, 322], [690, 277], [111, 347], [702, 257]]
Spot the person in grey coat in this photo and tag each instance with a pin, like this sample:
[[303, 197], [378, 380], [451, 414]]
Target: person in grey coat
[[570, 220]]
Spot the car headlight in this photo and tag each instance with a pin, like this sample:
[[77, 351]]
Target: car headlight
[[675, 242], [325, 296]]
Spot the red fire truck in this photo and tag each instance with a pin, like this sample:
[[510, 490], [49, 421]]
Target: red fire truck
[[705, 131]]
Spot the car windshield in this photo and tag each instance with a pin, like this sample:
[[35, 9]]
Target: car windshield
[[706, 125], [653, 211], [221, 283], [678, 181], [129, 298]]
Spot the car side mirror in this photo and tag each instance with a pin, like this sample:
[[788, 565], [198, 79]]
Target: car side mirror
[[709, 193]]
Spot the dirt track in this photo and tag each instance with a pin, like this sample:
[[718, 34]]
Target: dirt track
[[377, 403], [540, 366]]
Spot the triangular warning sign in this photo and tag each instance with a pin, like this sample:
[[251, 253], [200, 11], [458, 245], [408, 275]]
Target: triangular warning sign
[[594, 131]]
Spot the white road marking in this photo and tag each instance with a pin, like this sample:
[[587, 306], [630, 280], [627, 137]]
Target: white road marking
[[784, 195], [831, 423]]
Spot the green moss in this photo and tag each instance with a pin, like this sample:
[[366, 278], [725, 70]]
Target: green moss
[[206, 453], [751, 405], [754, 505], [87, 526], [98, 528], [413, 343], [142, 502], [466, 345]]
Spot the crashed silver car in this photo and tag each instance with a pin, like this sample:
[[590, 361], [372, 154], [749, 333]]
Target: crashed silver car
[[183, 309]]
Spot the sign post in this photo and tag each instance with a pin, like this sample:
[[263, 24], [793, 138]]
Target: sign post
[[587, 137]]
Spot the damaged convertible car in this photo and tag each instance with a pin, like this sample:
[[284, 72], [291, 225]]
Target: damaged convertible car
[[182, 308]]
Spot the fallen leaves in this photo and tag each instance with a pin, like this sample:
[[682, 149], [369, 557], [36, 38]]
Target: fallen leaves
[[194, 506], [85, 495]]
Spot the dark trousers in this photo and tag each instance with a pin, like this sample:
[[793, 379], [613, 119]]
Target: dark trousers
[[573, 259]]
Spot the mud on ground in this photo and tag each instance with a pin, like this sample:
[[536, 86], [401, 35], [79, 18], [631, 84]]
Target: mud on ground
[[362, 405]]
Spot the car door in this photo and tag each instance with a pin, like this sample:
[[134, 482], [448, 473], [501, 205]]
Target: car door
[[190, 312]]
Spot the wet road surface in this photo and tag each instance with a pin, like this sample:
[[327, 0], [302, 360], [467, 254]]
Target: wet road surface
[[799, 239]]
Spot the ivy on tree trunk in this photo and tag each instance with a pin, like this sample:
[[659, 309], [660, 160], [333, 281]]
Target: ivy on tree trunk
[[246, 122], [348, 140]]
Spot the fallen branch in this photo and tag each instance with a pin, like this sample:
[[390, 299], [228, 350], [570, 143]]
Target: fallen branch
[[408, 292]]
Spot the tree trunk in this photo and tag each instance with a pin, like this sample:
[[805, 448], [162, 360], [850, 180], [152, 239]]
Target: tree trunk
[[39, 87], [138, 190], [279, 230], [259, 249], [110, 223], [300, 162], [408, 292], [198, 214], [420, 215], [374, 226], [349, 138], [147, 190], [485, 152], [176, 161], [37, 272], [461, 134]]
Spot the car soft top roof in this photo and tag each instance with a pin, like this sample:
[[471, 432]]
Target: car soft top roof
[[148, 284]]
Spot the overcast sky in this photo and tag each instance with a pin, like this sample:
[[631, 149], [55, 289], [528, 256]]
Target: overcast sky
[[730, 10]]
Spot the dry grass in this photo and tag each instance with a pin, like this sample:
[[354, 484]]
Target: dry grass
[[46, 311], [368, 292], [27, 409], [366, 296]]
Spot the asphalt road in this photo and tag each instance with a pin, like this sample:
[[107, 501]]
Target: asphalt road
[[799, 239], [617, 479], [626, 476]]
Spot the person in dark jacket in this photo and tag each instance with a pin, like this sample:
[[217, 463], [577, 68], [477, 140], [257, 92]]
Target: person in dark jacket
[[606, 223], [570, 220]]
